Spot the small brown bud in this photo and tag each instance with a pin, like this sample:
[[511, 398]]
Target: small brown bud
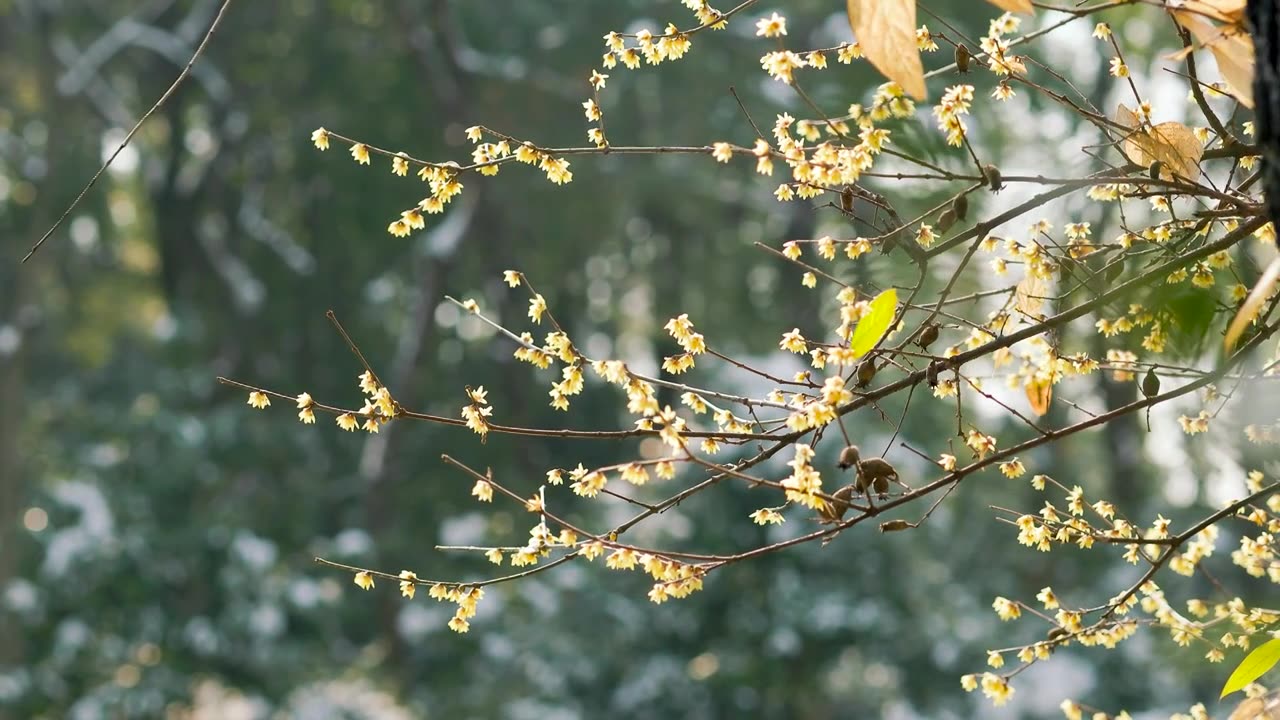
[[928, 335], [881, 485], [962, 58], [848, 457], [895, 525], [846, 199], [931, 373], [946, 220], [834, 511], [1115, 271], [994, 180], [866, 372], [961, 206], [1153, 172]]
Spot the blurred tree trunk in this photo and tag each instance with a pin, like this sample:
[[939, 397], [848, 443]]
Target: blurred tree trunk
[[1264, 21]]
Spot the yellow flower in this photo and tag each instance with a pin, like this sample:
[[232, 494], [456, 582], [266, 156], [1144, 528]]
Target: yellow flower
[[360, 153], [1047, 597], [408, 583], [475, 133], [996, 688], [364, 579], [1118, 68], [347, 422], [399, 228], [259, 400], [1006, 609], [459, 624], [1013, 468], [320, 138], [772, 26], [400, 165], [494, 556], [767, 516], [537, 306], [722, 152], [809, 280], [483, 490], [793, 342]]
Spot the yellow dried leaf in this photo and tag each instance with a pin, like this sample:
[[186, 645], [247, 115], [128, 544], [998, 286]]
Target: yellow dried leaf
[[1018, 6], [1227, 11], [1230, 44], [1171, 143], [886, 32], [1252, 304], [1039, 394], [1028, 299]]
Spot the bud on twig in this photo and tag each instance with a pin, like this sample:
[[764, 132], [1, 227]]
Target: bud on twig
[[995, 181], [962, 58]]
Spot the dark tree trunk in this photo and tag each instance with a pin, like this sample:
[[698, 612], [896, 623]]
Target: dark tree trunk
[[1264, 25]]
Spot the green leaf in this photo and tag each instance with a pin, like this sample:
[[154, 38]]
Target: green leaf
[[875, 323], [1253, 666]]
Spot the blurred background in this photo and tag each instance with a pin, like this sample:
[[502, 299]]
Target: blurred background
[[157, 536]]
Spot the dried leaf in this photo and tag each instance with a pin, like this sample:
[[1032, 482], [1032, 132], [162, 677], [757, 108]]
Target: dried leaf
[[1227, 11], [1235, 58], [1252, 304], [886, 31], [1028, 299], [1230, 44], [1039, 394], [1172, 143], [1018, 6]]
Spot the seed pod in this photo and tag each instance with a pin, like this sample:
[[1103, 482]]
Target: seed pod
[[876, 472], [834, 511], [1151, 383], [866, 372], [928, 336], [994, 180], [962, 58], [895, 525], [961, 205], [881, 484], [1058, 633], [1153, 172], [931, 373], [1115, 271], [946, 220], [848, 457], [846, 199]]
